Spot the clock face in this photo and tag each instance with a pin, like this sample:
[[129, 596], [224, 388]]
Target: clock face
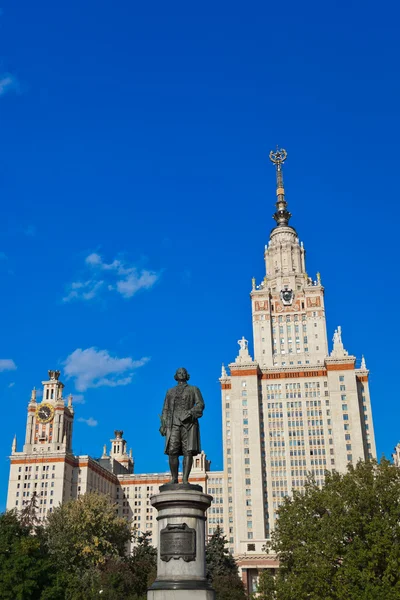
[[44, 413]]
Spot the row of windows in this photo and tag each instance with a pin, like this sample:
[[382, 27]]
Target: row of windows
[[289, 318]]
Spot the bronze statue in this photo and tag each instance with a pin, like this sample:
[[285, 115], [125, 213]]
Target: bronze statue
[[183, 406]]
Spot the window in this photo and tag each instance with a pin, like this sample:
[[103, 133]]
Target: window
[[341, 377], [249, 535], [251, 547]]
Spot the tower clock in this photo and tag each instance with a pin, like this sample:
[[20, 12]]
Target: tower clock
[[44, 413]]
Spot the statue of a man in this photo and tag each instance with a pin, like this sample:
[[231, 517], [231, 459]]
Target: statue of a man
[[183, 406]]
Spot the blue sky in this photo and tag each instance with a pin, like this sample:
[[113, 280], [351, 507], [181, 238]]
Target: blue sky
[[137, 197]]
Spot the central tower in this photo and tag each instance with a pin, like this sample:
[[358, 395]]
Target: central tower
[[286, 332], [294, 409]]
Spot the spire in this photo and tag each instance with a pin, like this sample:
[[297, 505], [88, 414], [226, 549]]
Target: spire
[[33, 395], [282, 215], [223, 372], [363, 364], [14, 444]]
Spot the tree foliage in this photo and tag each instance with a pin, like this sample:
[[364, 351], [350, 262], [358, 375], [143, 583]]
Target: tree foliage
[[24, 563], [222, 570], [143, 565], [341, 542], [81, 554], [266, 588], [86, 532]]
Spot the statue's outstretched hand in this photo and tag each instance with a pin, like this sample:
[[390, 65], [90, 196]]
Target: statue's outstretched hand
[[163, 430]]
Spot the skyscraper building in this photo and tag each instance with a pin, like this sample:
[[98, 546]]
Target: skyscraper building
[[293, 409]]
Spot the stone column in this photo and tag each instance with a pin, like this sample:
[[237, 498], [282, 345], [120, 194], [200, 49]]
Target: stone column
[[181, 561]]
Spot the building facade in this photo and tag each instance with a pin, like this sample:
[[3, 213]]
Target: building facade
[[293, 409], [46, 467]]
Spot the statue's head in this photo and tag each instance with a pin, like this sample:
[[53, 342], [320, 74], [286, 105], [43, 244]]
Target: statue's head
[[181, 375]]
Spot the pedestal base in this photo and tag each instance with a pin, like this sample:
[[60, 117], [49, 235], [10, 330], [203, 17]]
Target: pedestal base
[[181, 562], [181, 595]]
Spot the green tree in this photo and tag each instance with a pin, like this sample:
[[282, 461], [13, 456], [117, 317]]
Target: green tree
[[24, 564], [27, 516], [85, 533], [266, 587], [342, 542], [143, 565], [222, 570]]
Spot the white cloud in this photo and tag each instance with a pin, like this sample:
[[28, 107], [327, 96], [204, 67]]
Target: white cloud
[[7, 364], [78, 399], [90, 421], [93, 259], [128, 286], [8, 83], [123, 278], [10, 385], [92, 368], [83, 290]]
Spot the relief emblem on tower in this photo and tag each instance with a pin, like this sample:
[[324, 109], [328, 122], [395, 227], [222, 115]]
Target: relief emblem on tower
[[287, 297], [313, 301], [261, 305]]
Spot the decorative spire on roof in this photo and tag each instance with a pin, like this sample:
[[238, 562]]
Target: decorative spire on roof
[[223, 372], [363, 364], [282, 215]]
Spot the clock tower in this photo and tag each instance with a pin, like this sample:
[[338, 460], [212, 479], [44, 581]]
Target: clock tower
[[45, 468], [49, 423]]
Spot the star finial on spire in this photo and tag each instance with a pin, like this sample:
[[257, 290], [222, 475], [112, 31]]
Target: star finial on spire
[[282, 215]]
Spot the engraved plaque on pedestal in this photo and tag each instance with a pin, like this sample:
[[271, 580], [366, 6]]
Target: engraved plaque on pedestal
[[178, 541]]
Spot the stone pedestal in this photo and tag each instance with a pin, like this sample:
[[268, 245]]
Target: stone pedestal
[[181, 561]]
